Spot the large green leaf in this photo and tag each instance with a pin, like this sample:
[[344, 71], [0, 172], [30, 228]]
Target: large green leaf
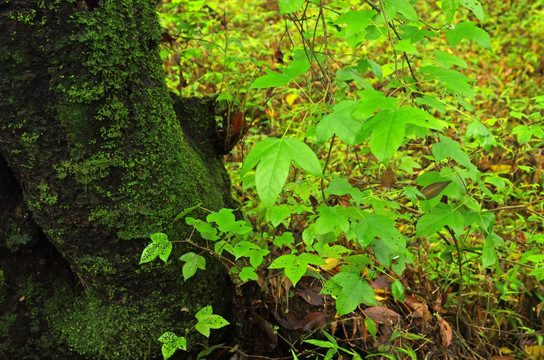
[[339, 122], [388, 129], [468, 30], [274, 157], [289, 6], [354, 292], [455, 82], [382, 227], [403, 7], [439, 216]]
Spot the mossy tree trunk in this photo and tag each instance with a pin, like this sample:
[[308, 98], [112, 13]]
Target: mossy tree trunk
[[98, 161]]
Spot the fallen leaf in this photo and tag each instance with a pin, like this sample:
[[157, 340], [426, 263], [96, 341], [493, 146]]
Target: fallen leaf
[[313, 320], [419, 309], [382, 315], [311, 297], [445, 332], [388, 178], [331, 264]]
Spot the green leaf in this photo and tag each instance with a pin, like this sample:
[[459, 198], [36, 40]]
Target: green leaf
[[388, 128], [452, 149], [160, 246], [354, 292], [437, 218], [382, 227], [295, 266], [403, 7], [489, 250], [277, 214], [171, 342], [330, 218], [364, 64], [406, 46], [286, 239], [186, 211], [447, 60], [370, 101], [150, 253], [227, 223], [243, 248], [476, 7], [192, 263], [468, 30], [339, 122], [397, 290], [207, 321], [271, 79], [248, 273], [454, 81], [289, 6], [341, 186], [449, 7], [274, 157]]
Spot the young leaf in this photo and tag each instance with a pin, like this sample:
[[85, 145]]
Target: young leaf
[[192, 263], [207, 320], [248, 273]]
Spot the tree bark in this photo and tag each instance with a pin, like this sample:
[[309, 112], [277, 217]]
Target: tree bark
[[98, 161]]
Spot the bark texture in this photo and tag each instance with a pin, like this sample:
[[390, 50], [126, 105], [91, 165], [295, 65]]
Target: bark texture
[[98, 162]]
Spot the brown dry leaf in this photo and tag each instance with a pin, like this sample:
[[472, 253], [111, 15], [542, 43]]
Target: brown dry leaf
[[313, 321], [388, 178], [382, 315], [445, 332], [311, 297], [419, 309], [381, 283], [344, 201], [503, 357]]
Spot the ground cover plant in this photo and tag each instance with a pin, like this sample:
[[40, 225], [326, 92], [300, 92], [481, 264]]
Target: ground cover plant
[[387, 156]]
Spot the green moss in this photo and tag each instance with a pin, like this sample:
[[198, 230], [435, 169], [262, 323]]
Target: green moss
[[96, 265], [100, 330], [16, 238]]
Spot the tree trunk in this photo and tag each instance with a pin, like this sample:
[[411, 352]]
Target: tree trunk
[[97, 162]]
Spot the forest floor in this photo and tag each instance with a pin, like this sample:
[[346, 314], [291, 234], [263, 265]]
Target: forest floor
[[453, 308]]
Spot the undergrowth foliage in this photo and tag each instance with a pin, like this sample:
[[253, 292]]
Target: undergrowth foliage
[[378, 183]]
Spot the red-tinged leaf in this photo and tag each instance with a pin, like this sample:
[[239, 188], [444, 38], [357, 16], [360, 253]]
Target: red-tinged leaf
[[313, 320]]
